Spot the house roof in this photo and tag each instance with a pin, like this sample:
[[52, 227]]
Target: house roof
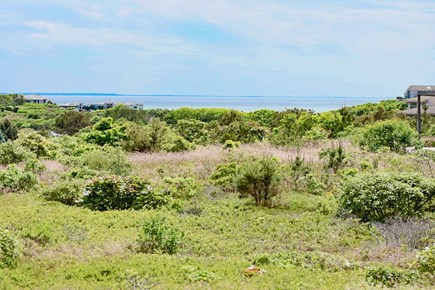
[[413, 112], [35, 98], [421, 88], [424, 99]]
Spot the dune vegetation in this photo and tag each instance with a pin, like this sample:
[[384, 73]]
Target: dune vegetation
[[215, 198]]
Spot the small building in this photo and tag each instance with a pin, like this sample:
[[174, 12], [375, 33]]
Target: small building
[[134, 106], [35, 99], [427, 99], [413, 90]]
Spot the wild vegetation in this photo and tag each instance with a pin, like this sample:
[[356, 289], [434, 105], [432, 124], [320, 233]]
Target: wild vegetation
[[215, 198]]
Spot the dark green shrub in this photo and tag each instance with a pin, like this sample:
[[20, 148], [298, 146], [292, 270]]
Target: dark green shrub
[[14, 179], [71, 121], [12, 153], [159, 236], [121, 193], [10, 250], [259, 179], [9, 130], [66, 192], [377, 197], [393, 134]]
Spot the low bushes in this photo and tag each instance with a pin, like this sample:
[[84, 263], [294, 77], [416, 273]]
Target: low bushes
[[377, 197], [66, 192], [121, 193], [14, 179], [12, 153], [159, 236], [10, 250]]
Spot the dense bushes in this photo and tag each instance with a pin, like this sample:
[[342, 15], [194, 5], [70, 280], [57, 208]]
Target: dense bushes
[[259, 179], [10, 250], [14, 179], [377, 197], [12, 153], [66, 192], [154, 137], [392, 134], [121, 193]]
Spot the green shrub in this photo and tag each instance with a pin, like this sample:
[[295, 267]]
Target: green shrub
[[376, 197], [14, 179], [393, 134], [37, 144], [106, 132], [313, 185], [335, 157], [426, 260], [109, 159], [154, 137], [159, 236], [71, 121], [259, 179], [10, 250], [121, 193], [224, 176], [193, 131], [180, 187], [34, 166], [66, 192], [8, 130], [390, 277], [12, 153]]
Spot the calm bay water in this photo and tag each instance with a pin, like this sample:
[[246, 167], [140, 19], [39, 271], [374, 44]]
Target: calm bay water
[[243, 103]]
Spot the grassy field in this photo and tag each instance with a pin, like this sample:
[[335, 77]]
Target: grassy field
[[298, 244]]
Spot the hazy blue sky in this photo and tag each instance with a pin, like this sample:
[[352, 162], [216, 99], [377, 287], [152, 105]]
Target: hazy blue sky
[[231, 47]]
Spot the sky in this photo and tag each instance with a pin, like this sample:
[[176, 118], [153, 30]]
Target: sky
[[217, 47]]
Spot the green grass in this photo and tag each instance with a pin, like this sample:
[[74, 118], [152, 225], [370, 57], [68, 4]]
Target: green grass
[[75, 248]]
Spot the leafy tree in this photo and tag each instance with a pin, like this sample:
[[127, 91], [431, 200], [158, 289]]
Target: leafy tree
[[106, 132], [393, 134], [71, 121], [193, 131], [242, 131]]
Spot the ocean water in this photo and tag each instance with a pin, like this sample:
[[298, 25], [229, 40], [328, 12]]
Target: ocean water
[[242, 103]]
